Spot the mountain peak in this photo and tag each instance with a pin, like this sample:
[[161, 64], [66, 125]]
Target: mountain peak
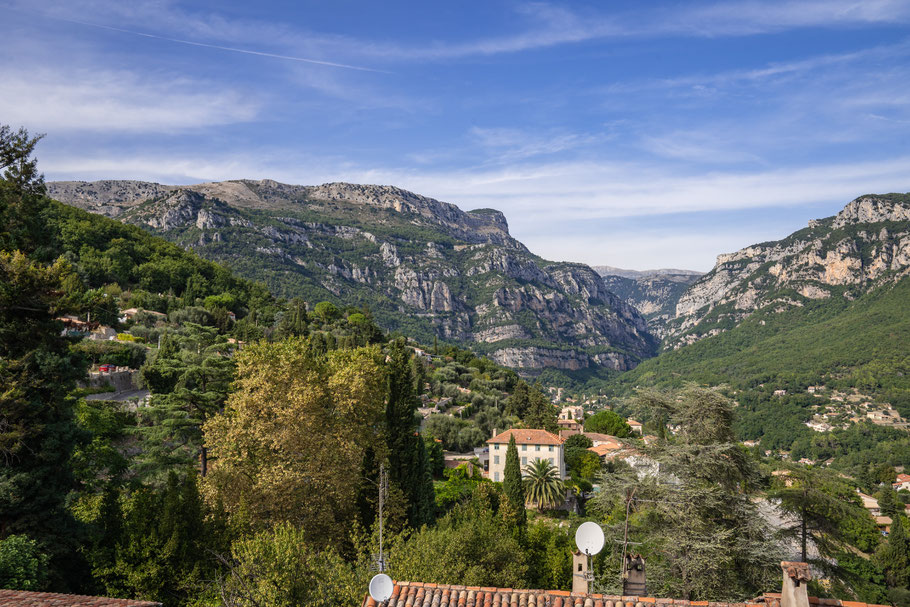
[[873, 208]]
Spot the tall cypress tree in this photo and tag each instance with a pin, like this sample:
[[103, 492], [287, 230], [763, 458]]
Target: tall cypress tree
[[514, 489], [408, 466]]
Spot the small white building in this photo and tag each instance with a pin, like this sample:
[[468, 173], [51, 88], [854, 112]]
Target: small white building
[[572, 413], [532, 445]]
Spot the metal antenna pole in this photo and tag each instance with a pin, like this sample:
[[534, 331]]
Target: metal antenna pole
[[382, 481], [625, 539]]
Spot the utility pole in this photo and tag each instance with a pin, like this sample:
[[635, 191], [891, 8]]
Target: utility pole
[[382, 491], [625, 538]]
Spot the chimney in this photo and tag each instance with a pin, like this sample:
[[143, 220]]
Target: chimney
[[796, 577], [580, 572], [633, 579]]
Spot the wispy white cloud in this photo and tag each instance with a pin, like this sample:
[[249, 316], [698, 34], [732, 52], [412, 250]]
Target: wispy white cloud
[[763, 16], [711, 83], [118, 101], [698, 147], [505, 145], [538, 25]]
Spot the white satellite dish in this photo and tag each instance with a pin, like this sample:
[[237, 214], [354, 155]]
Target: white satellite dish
[[589, 538], [381, 587]]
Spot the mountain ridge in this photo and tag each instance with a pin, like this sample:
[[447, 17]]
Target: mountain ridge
[[866, 244], [424, 266]]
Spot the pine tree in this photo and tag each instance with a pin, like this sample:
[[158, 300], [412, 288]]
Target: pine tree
[[540, 412], [189, 386], [887, 503], [821, 504], [295, 319], [894, 556], [706, 529], [37, 370], [512, 485]]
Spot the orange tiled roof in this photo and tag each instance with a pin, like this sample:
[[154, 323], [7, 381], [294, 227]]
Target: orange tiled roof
[[527, 437], [21, 598], [605, 448], [418, 594], [597, 436]]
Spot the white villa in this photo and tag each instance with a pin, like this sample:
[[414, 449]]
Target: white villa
[[532, 445]]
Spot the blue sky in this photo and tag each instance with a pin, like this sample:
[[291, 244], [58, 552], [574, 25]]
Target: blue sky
[[633, 134]]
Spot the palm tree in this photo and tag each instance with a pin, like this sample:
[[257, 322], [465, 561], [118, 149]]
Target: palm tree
[[543, 486]]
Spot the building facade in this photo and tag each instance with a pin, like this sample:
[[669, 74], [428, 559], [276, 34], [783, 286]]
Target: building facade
[[532, 445]]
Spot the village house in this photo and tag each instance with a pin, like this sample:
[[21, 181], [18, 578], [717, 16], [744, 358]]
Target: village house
[[870, 503], [902, 482], [819, 426], [573, 413], [636, 426], [568, 427], [884, 524], [129, 313], [532, 445], [103, 334]]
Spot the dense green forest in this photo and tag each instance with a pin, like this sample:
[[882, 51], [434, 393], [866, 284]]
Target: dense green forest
[[252, 473]]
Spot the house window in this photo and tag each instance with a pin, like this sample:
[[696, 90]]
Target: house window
[[496, 447], [551, 448], [495, 459], [524, 447], [524, 461], [537, 448], [496, 476]]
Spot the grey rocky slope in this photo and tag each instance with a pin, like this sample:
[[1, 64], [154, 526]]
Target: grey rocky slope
[[654, 293], [424, 267], [864, 246]]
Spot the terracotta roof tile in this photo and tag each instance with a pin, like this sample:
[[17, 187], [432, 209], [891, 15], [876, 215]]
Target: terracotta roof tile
[[417, 594], [21, 598], [527, 437]]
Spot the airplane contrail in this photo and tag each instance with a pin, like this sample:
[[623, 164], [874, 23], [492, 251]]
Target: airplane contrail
[[219, 47]]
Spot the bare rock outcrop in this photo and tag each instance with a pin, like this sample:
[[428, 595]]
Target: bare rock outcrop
[[865, 245]]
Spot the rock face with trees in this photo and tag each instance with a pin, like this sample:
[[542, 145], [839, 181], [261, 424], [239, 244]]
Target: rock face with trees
[[654, 293], [424, 267], [865, 246]]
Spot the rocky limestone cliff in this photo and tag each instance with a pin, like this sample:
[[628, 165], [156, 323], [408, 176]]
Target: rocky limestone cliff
[[862, 247], [654, 293], [423, 266]]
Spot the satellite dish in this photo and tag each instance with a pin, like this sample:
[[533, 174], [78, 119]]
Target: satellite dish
[[381, 587], [589, 538]]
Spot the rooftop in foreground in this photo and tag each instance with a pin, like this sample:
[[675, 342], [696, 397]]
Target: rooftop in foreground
[[419, 594], [22, 598]]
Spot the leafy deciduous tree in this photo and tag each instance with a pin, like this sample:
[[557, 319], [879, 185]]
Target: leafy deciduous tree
[[291, 440]]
